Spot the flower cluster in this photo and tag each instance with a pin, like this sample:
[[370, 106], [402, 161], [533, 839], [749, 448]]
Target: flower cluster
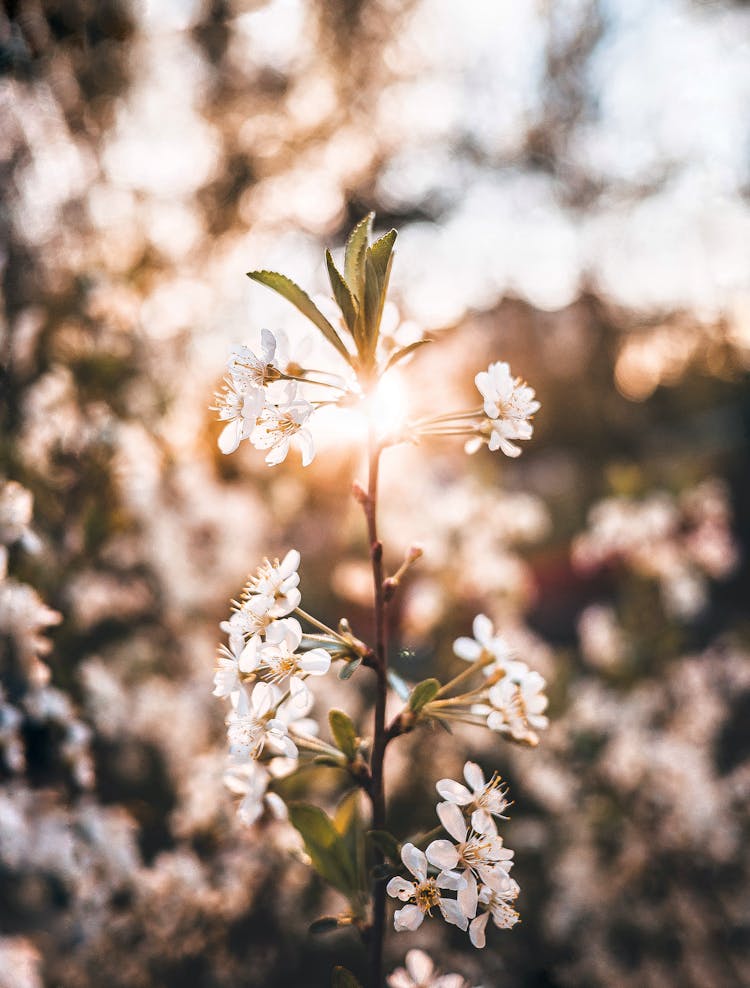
[[476, 866], [512, 699], [503, 418], [261, 401], [681, 543], [262, 670]]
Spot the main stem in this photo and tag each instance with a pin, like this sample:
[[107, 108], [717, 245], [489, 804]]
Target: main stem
[[380, 737]]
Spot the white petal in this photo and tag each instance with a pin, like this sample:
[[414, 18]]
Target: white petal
[[477, 929], [399, 888], [474, 776], [290, 563], [420, 966], [305, 441], [408, 918], [263, 698], [482, 822], [230, 436], [442, 854], [316, 662], [415, 861], [452, 819], [483, 629], [467, 897], [248, 660], [277, 805], [454, 792], [467, 649], [450, 880], [267, 345], [400, 979], [300, 694], [452, 913]]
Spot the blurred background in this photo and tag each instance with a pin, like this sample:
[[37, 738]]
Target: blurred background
[[571, 182]]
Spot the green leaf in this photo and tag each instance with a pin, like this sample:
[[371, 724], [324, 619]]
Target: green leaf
[[422, 693], [378, 262], [343, 732], [386, 843], [354, 257], [302, 301], [348, 822], [398, 355], [349, 668], [323, 925], [325, 845], [381, 251], [344, 298], [344, 979]]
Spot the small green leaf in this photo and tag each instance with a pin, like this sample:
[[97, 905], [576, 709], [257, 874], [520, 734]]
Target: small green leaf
[[422, 693], [378, 262], [343, 732], [325, 845], [386, 843], [400, 685], [380, 252], [355, 255], [344, 298], [349, 668], [302, 301], [323, 925], [398, 355], [344, 979]]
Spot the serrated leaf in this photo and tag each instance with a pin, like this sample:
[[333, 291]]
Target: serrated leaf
[[343, 732], [341, 292], [422, 693], [302, 301], [344, 979], [323, 925], [399, 355], [327, 849], [378, 261], [386, 843], [355, 254], [381, 251], [400, 685], [349, 668]]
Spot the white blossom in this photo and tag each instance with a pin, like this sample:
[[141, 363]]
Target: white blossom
[[419, 972], [479, 855], [484, 643], [251, 372], [252, 723], [494, 902], [278, 424], [250, 780], [278, 581], [423, 895], [505, 396], [277, 658], [518, 704], [509, 404], [485, 799]]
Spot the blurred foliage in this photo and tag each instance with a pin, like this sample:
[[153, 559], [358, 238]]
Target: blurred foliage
[[150, 155]]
